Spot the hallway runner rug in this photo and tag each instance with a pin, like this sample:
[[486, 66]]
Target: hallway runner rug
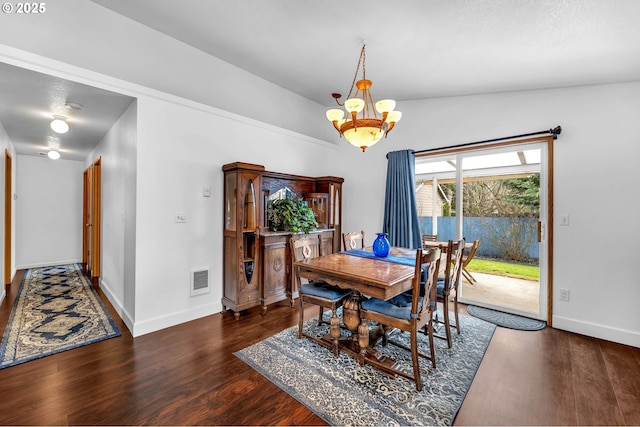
[[56, 309], [506, 320], [342, 392]]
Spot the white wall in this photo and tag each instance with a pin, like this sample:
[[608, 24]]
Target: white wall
[[117, 151], [48, 211], [181, 149], [6, 144]]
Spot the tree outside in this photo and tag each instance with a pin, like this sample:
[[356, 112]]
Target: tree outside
[[513, 200]]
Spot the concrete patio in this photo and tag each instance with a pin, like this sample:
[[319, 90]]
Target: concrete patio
[[518, 294]]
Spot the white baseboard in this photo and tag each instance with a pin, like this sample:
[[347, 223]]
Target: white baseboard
[[158, 323], [48, 264], [622, 336], [117, 305]]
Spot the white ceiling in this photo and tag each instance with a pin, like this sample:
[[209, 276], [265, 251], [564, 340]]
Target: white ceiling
[[28, 101], [415, 49]]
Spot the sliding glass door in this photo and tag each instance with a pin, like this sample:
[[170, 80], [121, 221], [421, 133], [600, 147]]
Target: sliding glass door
[[498, 197]]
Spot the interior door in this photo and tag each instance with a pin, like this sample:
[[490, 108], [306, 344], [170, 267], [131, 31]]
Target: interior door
[[8, 203], [87, 234], [91, 213], [97, 218]]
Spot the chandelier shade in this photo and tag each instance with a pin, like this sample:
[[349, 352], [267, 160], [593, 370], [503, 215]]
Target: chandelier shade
[[362, 127]]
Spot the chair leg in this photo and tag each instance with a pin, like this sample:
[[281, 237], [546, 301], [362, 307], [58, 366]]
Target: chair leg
[[468, 276], [447, 324], [455, 312], [414, 358], [301, 317], [320, 315], [432, 347]]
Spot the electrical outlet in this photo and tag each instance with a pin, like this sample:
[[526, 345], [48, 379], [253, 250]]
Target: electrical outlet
[[180, 217], [564, 295]]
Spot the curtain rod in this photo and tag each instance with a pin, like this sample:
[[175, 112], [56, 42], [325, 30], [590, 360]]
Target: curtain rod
[[555, 132]]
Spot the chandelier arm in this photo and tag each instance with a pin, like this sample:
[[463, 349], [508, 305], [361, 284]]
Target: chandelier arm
[[384, 117]]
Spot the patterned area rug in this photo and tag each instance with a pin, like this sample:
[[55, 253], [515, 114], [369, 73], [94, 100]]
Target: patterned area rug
[[506, 320], [341, 392], [56, 310]]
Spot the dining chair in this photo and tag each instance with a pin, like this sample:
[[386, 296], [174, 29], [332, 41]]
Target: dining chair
[[429, 238], [448, 285], [353, 240], [410, 311], [317, 292], [466, 259]]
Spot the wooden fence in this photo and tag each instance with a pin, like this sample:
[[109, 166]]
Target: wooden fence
[[499, 236]]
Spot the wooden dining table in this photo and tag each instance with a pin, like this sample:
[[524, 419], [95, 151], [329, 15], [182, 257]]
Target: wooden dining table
[[366, 277]]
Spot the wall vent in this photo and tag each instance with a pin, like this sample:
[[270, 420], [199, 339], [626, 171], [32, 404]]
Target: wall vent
[[200, 281]]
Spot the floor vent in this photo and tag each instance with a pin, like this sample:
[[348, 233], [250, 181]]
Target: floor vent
[[200, 281]]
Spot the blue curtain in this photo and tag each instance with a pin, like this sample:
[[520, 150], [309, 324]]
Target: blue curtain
[[400, 207]]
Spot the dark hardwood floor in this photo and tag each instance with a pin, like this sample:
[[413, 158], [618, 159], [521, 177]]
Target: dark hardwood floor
[[188, 375]]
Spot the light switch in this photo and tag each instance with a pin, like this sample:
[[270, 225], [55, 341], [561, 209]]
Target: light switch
[[206, 191], [564, 219]]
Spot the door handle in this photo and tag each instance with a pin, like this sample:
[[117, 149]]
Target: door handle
[[539, 231]]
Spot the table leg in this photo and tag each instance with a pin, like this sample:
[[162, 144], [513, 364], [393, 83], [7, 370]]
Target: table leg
[[363, 339]]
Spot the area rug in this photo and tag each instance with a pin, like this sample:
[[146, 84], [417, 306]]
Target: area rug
[[56, 309], [342, 392], [506, 320]]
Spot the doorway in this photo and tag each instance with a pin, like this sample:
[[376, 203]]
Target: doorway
[[498, 195]]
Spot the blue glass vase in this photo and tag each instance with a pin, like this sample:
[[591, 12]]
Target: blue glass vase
[[381, 245]]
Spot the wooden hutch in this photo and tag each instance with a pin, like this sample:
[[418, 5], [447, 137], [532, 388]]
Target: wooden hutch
[[257, 261]]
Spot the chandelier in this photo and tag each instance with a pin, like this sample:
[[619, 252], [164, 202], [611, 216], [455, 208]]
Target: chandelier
[[363, 127]]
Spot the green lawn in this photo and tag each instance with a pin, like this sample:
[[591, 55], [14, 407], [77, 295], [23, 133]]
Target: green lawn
[[501, 268]]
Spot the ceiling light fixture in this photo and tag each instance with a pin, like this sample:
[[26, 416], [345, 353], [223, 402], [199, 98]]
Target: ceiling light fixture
[[53, 155], [366, 130], [59, 124]]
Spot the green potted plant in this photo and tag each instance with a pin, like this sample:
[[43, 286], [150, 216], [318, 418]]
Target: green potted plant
[[292, 214]]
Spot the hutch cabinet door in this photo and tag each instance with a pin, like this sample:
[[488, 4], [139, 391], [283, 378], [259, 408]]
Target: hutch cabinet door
[[241, 233]]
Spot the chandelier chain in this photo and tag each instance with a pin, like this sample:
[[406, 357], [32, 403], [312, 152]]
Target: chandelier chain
[[362, 60]]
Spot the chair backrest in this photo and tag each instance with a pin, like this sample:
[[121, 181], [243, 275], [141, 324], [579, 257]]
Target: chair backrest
[[431, 257], [304, 247], [472, 252], [428, 238], [453, 266], [353, 240]]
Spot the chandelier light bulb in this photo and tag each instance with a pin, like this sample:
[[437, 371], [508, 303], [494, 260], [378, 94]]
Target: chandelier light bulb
[[385, 106], [59, 124], [335, 114], [354, 104]]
